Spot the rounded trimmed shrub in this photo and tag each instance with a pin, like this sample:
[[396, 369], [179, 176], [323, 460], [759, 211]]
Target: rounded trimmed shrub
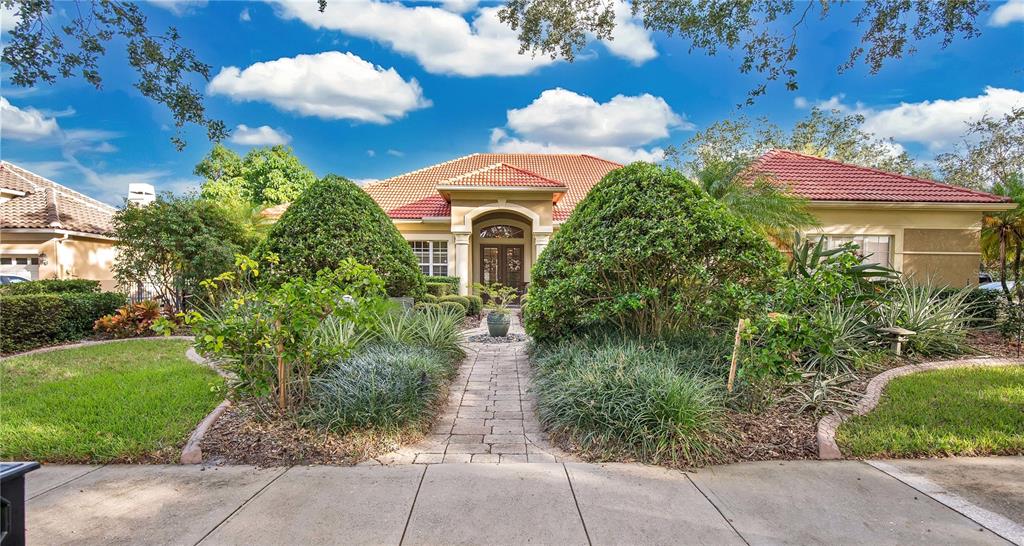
[[423, 305], [452, 307], [647, 252], [428, 298], [461, 300], [334, 219], [476, 304]]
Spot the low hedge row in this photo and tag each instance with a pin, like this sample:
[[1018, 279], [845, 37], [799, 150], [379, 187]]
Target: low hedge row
[[28, 321], [50, 286]]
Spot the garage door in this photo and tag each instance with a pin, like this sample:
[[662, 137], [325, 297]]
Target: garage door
[[21, 266]]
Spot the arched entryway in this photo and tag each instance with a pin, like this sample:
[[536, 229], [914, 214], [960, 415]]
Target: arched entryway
[[502, 249]]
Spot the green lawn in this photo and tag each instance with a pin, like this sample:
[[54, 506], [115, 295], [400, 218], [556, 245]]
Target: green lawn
[[967, 411], [114, 402]]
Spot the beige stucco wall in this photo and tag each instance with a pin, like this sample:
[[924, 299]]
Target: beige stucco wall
[[71, 257], [936, 245]]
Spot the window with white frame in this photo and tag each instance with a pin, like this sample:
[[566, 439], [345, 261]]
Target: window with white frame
[[432, 257], [874, 248]]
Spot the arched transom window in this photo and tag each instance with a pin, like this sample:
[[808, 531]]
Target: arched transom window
[[501, 231]]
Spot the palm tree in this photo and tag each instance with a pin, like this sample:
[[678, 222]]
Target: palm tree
[[1002, 233], [754, 197]]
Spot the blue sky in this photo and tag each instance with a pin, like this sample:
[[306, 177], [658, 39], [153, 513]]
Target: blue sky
[[370, 90]]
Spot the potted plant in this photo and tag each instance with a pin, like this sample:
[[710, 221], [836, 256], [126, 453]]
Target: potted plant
[[498, 297]]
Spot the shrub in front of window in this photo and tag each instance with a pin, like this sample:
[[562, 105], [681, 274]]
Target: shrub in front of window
[[452, 282], [648, 252], [333, 220], [439, 289], [461, 300]]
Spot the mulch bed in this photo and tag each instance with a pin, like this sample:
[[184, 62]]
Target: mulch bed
[[774, 434], [470, 322], [241, 436], [991, 342]]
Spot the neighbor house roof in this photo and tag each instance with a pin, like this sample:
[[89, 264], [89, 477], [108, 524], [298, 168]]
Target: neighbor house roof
[[415, 195], [819, 179], [49, 205]]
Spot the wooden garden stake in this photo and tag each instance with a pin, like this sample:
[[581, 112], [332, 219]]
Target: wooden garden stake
[[735, 352], [282, 391]]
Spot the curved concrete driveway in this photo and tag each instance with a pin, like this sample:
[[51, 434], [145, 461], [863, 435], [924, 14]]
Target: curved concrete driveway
[[804, 502]]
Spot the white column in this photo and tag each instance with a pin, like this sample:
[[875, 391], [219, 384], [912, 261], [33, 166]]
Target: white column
[[540, 242], [462, 262]]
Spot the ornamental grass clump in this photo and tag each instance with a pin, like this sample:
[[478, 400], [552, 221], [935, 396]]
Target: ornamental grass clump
[[626, 400], [396, 381], [385, 387]]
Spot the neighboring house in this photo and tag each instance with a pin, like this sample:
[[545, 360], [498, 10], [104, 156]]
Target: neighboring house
[[486, 217], [49, 231]]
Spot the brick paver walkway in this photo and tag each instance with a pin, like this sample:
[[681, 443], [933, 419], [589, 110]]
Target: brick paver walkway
[[491, 414]]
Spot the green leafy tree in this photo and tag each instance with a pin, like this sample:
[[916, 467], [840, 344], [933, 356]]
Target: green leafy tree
[[265, 176], [51, 40], [991, 153], [174, 243], [768, 207], [763, 32], [1002, 235], [823, 133], [647, 253], [333, 220]]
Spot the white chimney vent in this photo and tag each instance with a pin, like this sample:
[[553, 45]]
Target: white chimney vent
[[141, 194]]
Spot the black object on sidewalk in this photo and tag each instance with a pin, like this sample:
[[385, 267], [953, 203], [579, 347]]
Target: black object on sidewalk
[[12, 502]]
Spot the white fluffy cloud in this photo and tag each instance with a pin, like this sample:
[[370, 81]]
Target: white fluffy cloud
[[179, 7], [459, 6], [441, 41], [444, 42], [264, 135], [330, 85], [25, 123], [630, 40], [936, 124], [563, 121], [1005, 14], [244, 15]]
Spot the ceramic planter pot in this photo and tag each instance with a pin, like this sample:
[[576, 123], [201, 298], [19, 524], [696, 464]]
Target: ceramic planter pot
[[498, 323]]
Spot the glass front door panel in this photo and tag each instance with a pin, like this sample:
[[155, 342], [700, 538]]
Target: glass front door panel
[[502, 264], [490, 259]]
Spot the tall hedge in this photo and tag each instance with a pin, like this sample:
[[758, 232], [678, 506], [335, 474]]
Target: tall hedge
[[647, 252], [28, 321], [334, 219]]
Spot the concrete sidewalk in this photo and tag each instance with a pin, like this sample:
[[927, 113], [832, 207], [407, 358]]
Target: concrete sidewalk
[[803, 502]]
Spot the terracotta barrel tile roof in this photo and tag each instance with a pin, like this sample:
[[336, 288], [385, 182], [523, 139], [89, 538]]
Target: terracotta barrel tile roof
[[501, 175], [49, 205], [819, 179], [576, 172], [433, 206]]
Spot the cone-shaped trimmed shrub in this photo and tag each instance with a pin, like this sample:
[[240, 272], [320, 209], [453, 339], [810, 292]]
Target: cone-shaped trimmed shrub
[[334, 219], [647, 252]]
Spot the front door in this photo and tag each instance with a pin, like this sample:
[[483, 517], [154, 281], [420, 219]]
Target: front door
[[502, 264]]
